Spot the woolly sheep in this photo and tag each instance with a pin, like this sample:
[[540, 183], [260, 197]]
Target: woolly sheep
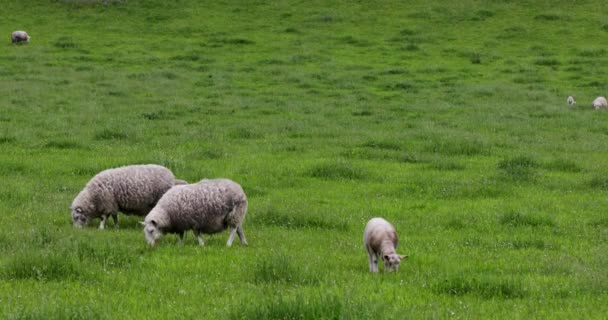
[[571, 101], [133, 189], [209, 206], [600, 102], [380, 239], [20, 36]]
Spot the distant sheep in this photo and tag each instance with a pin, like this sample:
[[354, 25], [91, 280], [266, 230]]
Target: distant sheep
[[20, 37], [131, 189], [209, 206], [600, 102], [380, 239], [571, 101]]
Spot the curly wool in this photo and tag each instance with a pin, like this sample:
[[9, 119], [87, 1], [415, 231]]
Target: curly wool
[[209, 206], [131, 189]]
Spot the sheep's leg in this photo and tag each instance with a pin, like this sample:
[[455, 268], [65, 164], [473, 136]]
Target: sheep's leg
[[115, 219], [239, 231], [373, 262], [181, 237], [231, 237], [102, 225], [199, 238]]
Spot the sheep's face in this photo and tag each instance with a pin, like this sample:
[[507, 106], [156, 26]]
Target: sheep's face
[[392, 262], [79, 218], [152, 232]]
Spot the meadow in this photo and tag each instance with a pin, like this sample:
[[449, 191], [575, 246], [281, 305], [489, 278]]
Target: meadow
[[447, 118]]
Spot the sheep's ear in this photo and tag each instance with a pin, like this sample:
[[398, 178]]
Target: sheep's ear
[[142, 223], [401, 257]]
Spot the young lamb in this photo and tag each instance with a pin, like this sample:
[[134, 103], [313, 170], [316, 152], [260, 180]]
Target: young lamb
[[20, 37], [571, 101], [380, 239], [209, 206], [600, 102], [131, 189]]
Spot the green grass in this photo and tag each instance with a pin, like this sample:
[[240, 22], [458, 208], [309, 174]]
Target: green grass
[[447, 118]]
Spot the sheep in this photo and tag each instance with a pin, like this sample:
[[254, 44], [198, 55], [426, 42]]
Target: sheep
[[133, 189], [571, 101], [20, 37], [600, 102], [209, 206], [380, 239]]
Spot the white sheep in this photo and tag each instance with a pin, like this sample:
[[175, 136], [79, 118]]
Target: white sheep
[[209, 206], [131, 189], [380, 239], [20, 37], [571, 101], [600, 102]]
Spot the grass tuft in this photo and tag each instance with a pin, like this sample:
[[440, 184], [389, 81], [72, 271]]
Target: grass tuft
[[112, 134], [516, 219], [40, 266], [519, 168], [337, 170], [487, 288], [273, 217], [599, 182], [278, 268], [299, 307]]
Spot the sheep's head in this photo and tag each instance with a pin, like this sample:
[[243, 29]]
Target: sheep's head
[[79, 218], [151, 231], [82, 209], [392, 261]]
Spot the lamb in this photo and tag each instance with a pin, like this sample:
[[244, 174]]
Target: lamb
[[571, 101], [209, 206], [133, 189], [600, 102], [380, 239], [20, 37]]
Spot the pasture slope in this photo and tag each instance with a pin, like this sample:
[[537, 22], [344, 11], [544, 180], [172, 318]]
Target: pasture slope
[[447, 118]]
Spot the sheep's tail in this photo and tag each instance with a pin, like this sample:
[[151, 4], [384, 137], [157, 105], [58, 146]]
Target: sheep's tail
[[179, 181], [237, 215]]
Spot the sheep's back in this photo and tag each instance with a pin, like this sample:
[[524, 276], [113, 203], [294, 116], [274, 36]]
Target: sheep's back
[[202, 206], [135, 189]]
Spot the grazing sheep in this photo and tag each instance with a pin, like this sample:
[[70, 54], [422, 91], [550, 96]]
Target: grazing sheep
[[380, 239], [571, 101], [131, 189], [600, 102], [20, 37], [209, 206]]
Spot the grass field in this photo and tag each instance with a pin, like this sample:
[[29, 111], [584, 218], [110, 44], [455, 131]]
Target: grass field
[[447, 118]]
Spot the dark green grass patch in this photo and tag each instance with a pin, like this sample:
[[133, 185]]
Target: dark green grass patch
[[517, 219], [65, 43], [599, 182], [114, 134], [520, 168], [562, 165], [297, 219], [279, 268], [245, 133], [457, 147], [38, 265], [4, 139], [322, 306], [380, 144], [63, 144], [106, 254], [337, 170], [484, 287]]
